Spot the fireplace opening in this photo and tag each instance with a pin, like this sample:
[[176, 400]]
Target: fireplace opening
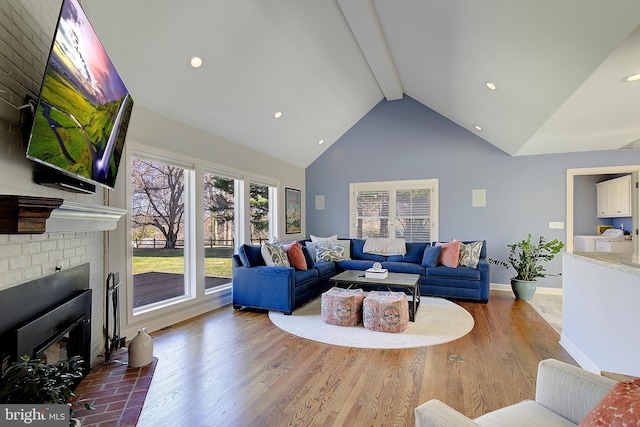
[[56, 352], [48, 318]]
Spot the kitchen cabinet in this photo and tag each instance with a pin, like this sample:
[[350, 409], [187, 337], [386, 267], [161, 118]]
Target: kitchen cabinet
[[614, 197]]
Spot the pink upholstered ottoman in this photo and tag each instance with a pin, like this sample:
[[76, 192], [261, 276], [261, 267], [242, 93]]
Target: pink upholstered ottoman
[[386, 311], [342, 307]]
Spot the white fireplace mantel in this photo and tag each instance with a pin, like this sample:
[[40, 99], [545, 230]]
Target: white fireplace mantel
[[77, 216], [37, 215]]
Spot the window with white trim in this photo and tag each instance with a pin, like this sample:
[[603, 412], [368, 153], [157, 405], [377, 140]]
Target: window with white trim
[[402, 209]]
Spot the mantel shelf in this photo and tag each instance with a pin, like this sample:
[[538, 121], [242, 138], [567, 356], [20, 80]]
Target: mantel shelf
[[37, 215]]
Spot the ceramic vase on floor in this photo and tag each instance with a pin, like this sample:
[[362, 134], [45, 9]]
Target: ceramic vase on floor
[[140, 349]]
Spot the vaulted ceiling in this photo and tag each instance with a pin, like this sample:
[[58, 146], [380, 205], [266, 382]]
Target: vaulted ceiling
[[557, 67]]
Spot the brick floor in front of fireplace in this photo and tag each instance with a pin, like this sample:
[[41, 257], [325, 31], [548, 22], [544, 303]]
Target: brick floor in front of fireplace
[[116, 391]]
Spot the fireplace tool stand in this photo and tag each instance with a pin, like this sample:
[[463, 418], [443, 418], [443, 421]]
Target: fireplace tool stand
[[113, 341]]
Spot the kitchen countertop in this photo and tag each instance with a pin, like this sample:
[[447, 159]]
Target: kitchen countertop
[[629, 263]]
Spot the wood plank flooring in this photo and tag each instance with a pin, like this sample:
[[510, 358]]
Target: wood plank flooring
[[235, 368]]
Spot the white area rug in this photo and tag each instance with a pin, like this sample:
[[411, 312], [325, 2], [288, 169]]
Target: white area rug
[[438, 321]]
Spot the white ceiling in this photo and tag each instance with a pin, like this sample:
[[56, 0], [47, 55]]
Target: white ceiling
[[557, 65]]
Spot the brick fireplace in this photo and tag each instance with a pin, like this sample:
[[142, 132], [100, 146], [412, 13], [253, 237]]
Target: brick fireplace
[[45, 312]]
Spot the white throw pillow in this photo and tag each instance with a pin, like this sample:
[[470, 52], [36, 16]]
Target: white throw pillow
[[274, 256], [316, 239]]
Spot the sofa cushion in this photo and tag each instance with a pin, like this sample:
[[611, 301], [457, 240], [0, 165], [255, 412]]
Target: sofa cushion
[[414, 254], [295, 255], [450, 253], [251, 255], [470, 254], [274, 256], [522, 413], [325, 267], [431, 256], [454, 273], [302, 276], [403, 267], [355, 264], [621, 406], [357, 246]]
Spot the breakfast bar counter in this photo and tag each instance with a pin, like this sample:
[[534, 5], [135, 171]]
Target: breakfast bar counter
[[600, 315]]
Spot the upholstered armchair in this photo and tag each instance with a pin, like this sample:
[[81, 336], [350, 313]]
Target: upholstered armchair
[[565, 394]]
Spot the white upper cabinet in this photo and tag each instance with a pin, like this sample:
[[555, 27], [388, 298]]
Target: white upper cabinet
[[614, 197]]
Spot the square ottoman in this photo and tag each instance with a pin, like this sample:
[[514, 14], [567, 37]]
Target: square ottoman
[[386, 311], [342, 307]]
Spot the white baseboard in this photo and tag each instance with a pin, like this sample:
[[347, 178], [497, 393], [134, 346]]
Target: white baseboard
[[217, 300], [540, 289], [584, 362]]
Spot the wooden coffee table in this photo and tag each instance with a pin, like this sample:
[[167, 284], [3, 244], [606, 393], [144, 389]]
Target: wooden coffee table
[[356, 279]]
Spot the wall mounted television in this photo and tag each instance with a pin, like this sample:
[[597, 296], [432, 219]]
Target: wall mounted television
[[82, 115]]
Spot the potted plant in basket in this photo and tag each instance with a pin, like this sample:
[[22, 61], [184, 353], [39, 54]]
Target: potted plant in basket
[[526, 261]]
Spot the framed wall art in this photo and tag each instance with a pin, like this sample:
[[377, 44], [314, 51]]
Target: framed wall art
[[292, 199]]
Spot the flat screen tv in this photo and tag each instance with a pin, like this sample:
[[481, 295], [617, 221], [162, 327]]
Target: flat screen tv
[[83, 111]]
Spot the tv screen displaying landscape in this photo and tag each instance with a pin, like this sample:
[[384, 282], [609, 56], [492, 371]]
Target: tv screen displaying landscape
[[84, 108]]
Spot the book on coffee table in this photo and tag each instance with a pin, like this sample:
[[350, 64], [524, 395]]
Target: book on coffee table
[[373, 273]]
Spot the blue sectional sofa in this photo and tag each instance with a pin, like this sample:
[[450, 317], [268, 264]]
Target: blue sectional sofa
[[285, 288]]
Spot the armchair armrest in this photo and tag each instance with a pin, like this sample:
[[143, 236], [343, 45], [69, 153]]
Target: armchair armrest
[[438, 414], [569, 391], [483, 265]]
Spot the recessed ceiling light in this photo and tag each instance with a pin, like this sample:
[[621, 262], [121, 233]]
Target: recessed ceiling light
[[321, 142], [491, 86], [477, 127], [278, 114], [195, 61], [632, 78]]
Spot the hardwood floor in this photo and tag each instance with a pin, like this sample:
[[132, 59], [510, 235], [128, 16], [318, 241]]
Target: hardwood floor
[[235, 368]]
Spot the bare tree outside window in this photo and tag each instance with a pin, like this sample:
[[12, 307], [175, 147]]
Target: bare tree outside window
[[157, 217], [157, 200]]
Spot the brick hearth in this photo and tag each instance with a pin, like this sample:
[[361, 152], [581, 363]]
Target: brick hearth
[[116, 391]]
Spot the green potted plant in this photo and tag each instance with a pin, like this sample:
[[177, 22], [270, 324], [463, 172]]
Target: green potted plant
[[33, 381], [527, 260]]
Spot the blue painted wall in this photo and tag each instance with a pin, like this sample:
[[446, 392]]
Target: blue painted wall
[[401, 140]]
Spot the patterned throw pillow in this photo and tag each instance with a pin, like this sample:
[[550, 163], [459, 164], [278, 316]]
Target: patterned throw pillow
[[346, 244], [470, 254], [450, 253], [620, 407], [274, 256], [329, 252]]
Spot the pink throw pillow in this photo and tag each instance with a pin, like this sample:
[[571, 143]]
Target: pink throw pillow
[[620, 407], [450, 253], [295, 255]]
